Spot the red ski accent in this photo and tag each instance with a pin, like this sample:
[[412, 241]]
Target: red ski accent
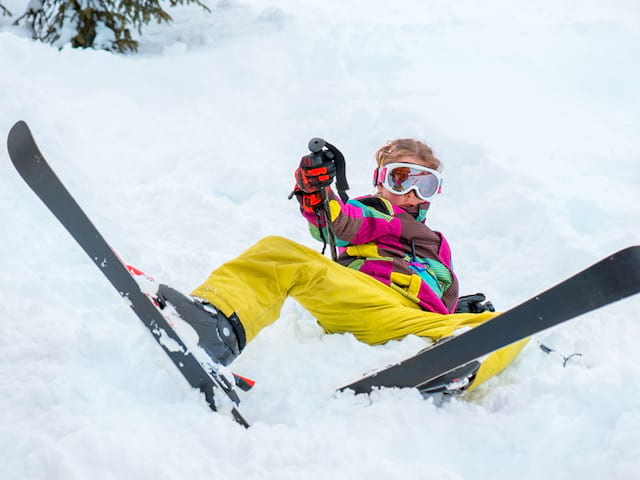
[[135, 271], [243, 383]]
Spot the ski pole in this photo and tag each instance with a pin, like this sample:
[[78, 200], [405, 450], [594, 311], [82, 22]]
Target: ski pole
[[317, 147]]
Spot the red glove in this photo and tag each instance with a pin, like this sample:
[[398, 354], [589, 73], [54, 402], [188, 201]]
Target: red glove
[[309, 202], [314, 173]]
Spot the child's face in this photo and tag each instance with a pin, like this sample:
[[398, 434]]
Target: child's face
[[406, 201]]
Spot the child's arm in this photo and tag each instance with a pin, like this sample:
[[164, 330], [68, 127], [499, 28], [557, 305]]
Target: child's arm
[[354, 223]]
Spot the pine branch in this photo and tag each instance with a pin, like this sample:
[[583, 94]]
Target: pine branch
[[48, 18]]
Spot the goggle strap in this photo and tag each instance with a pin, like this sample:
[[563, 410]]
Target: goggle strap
[[379, 174]]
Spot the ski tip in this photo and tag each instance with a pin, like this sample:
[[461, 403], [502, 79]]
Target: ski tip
[[627, 255], [19, 126], [629, 249], [16, 138]]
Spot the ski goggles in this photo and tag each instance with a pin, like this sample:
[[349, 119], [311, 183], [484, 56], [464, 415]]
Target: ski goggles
[[401, 178]]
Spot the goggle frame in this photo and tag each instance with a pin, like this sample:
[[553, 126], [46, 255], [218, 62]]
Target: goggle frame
[[382, 175]]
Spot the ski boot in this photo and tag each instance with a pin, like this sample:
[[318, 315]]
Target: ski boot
[[220, 337]]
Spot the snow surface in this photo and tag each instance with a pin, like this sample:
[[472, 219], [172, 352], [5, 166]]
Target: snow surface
[[183, 157]]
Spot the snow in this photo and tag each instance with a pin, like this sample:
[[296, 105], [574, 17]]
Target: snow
[[183, 154]]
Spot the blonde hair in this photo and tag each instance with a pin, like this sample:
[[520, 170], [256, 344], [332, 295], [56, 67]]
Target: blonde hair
[[402, 147]]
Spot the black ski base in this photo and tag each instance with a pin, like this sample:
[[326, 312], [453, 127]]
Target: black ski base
[[611, 279], [36, 172]]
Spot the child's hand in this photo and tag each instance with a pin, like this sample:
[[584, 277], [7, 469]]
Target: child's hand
[[473, 304], [314, 173]]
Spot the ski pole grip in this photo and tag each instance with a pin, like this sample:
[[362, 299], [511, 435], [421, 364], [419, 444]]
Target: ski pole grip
[[323, 150], [316, 144], [317, 147]]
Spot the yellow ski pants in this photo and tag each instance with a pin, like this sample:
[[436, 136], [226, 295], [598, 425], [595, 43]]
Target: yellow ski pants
[[256, 284]]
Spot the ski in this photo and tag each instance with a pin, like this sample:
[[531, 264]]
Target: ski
[[609, 280], [210, 379]]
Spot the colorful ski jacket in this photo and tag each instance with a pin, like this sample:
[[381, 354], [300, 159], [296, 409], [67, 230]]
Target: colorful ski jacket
[[389, 244]]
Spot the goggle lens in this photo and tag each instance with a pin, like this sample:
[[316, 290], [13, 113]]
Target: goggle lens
[[402, 178]]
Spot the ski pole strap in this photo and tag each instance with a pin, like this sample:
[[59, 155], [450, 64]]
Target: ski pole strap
[[341, 179], [548, 350], [341, 175]]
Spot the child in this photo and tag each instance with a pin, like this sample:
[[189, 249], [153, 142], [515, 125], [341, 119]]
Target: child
[[393, 276]]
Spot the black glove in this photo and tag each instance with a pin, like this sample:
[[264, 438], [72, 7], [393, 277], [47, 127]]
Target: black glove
[[473, 304], [315, 172]]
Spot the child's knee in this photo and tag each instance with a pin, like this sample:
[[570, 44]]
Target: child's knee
[[274, 241]]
